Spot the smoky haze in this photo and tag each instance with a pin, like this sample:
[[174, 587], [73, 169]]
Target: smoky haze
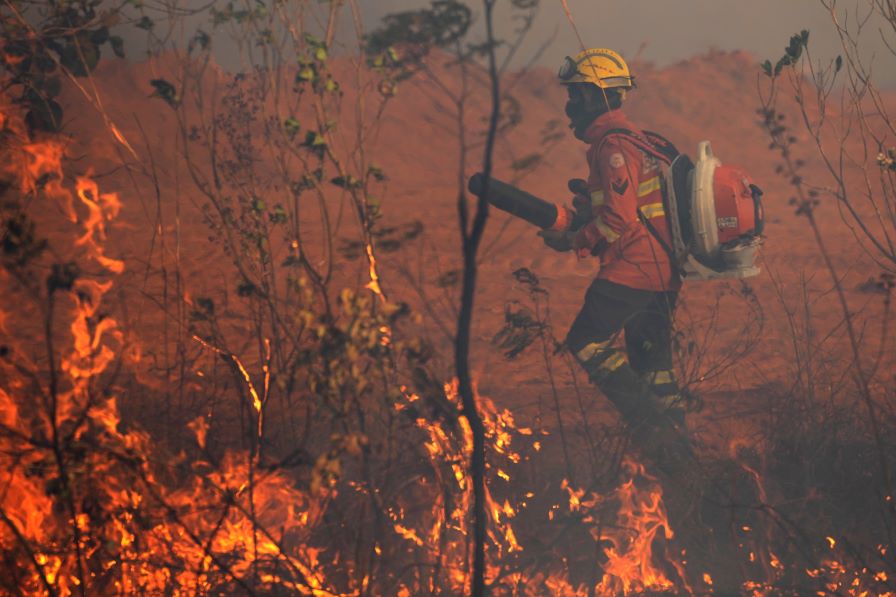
[[659, 31], [663, 31]]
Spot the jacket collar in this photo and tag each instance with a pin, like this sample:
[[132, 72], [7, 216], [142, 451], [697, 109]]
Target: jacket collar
[[614, 119]]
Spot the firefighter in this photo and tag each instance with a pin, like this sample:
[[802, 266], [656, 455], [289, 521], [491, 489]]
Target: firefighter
[[636, 288]]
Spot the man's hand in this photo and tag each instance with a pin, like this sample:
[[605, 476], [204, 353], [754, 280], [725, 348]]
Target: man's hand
[[581, 203], [559, 240]]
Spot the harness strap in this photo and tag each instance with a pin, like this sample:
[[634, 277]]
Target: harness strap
[[652, 143], [662, 149], [673, 260]]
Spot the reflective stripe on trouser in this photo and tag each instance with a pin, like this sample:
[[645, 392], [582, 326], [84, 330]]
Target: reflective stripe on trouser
[[608, 309], [664, 387], [607, 367], [600, 358]]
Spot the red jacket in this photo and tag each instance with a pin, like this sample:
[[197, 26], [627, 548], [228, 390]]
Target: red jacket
[[621, 180]]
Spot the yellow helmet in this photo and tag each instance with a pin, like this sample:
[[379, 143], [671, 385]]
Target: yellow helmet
[[600, 66]]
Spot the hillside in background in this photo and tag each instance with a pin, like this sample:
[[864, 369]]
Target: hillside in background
[[712, 96]]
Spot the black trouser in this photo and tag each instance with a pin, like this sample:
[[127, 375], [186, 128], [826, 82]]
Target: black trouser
[[644, 371]]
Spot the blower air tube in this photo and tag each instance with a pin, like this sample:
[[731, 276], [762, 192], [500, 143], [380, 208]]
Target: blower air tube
[[517, 202]]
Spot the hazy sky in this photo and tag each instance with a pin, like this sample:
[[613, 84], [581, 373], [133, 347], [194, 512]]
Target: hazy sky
[[675, 29], [669, 30]]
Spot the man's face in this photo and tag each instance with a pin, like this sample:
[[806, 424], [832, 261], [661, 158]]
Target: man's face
[[575, 101], [582, 102]]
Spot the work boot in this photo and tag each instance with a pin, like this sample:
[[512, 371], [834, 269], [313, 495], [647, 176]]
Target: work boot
[[624, 388], [669, 398], [632, 396], [657, 430]]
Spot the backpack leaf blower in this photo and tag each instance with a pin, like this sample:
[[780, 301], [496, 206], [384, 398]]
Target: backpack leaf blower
[[715, 212]]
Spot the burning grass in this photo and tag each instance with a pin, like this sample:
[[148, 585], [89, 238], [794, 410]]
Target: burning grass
[[91, 504]]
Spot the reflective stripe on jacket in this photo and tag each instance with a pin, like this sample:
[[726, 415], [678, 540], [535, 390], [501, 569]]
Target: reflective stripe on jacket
[[623, 179]]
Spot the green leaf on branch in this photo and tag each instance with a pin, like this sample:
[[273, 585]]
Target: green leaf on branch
[[797, 43], [245, 289], [315, 143], [117, 45], [346, 182], [521, 329], [784, 61], [165, 91], [44, 116], [62, 276], [313, 139], [19, 243], [145, 23], [449, 279], [307, 72], [373, 208], [204, 309], [80, 55], [416, 33], [201, 39], [52, 86], [291, 126], [278, 216], [99, 36], [442, 24], [42, 61]]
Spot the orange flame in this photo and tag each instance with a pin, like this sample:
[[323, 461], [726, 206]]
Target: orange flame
[[100, 207], [35, 166], [641, 517], [374, 284], [233, 520]]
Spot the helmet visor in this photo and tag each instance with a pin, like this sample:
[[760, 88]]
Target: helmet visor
[[568, 69]]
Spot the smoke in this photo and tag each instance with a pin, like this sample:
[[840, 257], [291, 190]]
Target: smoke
[[659, 31], [665, 32]]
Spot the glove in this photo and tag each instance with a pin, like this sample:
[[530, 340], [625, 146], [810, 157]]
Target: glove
[[577, 186], [559, 240], [581, 203]]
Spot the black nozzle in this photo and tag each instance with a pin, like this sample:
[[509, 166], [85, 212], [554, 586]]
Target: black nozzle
[[515, 201], [474, 185]]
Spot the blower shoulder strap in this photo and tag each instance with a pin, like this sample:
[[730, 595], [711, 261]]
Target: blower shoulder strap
[[673, 259], [662, 149], [653, 143]]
